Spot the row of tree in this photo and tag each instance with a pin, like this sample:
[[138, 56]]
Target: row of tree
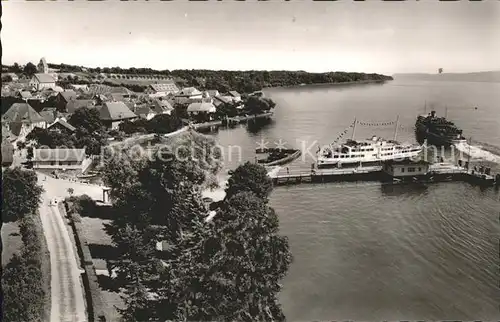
[[24, 292], [227, 268]]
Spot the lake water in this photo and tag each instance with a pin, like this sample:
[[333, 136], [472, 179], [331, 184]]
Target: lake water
[[367, 251]]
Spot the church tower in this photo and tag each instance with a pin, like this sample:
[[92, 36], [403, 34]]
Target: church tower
[[43, 68]]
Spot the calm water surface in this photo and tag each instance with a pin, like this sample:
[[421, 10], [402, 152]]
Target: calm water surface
[[367, 251]]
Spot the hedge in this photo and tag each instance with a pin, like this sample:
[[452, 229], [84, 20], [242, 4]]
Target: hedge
[[95, 303], [26, 278]]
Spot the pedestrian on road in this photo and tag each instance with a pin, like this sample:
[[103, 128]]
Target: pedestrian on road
[[287, 171]]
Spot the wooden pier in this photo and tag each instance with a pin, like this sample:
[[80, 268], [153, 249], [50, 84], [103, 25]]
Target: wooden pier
[[376, 173], [230, 120]]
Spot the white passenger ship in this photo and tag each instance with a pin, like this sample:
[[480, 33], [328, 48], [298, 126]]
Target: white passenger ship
[[374, 150]]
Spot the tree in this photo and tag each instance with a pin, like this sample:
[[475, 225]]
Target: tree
[[229, 270], [249, 177], [87, 119], [30, 69], [164, 123], [6, 78], [258, 105], [89, 130], [22, 293], [21, 194], [16, 69]]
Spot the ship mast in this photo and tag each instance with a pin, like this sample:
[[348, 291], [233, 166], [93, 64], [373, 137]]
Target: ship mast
[[354, 128], [446, 112], [425, 107], [396, 128]]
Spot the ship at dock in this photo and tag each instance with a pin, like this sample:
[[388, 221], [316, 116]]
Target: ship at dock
[[437, 131], [374, 150]]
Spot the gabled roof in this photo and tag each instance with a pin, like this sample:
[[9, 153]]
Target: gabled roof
[[73, 105], [188, 91], [58, 154], [45, 78], [161, 106], [201, 107], [48, 116], [25, 94], [213, 92], [165, 87], [143, 110], [68, 95], [120, 90], [23, 113], [64, 124], [234, 94], [115, 111], [224, 99]]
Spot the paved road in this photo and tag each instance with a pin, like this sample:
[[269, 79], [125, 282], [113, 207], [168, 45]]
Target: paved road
[[67, 295]]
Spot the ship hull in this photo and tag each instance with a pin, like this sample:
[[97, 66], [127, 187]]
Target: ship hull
[[329, 162], [432, 139]]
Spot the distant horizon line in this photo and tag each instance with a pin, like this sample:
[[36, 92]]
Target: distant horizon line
[[263, 70]]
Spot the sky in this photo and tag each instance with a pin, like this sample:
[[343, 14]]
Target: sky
[[371, 36]]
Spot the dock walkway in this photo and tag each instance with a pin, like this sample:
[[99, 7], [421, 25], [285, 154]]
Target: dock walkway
[[437, 173]]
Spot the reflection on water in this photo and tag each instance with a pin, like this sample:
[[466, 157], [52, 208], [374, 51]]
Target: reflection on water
[[255, 126], [403, 189]]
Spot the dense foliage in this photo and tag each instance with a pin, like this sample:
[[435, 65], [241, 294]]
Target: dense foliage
[[23, 280], [90, 133], [249, 177], [30, 69], [161, 123], [224, 81], [227, 269], [257, 105], [20, 193]]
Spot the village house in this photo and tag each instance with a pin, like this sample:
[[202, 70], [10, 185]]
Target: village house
[[63, 98], [161, 107], [61, 126], [144, 112], [60, 159], [161, 90], [406, 168], [235, 95], [24, 95], [41, 81], [73, 105], [213, 92], [21, 119], [188, 95], [219, 100], [201, 111], [114, 113], [7, 153], [49, 114]]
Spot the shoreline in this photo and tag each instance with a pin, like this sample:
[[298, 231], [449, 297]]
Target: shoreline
[[330, 84]]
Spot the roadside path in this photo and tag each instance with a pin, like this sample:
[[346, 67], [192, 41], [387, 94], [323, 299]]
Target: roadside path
[[67, 295]]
